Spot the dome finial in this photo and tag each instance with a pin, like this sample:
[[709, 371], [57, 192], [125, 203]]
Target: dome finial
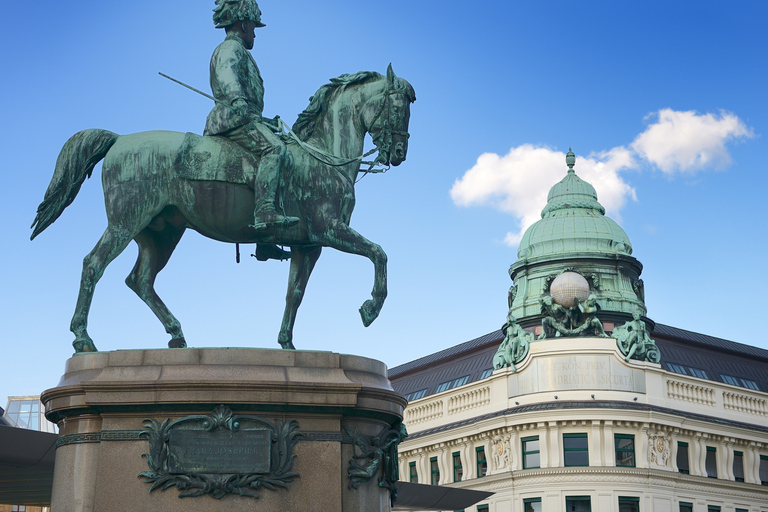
[[570, 159]]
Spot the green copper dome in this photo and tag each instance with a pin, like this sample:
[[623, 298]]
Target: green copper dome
[[573, 221]]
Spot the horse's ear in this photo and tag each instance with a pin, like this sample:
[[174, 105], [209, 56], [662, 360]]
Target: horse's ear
[[390, 76]]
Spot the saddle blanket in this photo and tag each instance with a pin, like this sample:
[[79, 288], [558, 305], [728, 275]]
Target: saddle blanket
[[215, 159]]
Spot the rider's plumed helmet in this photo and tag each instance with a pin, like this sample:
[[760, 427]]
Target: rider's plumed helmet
[[228, 12]]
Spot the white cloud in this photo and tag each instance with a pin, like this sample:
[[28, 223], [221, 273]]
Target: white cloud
[[687, 142], [518, 182]]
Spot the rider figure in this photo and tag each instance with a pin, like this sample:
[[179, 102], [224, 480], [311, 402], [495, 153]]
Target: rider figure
[[239, 91]]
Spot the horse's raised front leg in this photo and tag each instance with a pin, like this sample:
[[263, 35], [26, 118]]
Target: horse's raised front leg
[[344, 238], [111, 244], [302, 262], [155, 248]]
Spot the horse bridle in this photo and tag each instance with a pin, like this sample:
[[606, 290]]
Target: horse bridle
[[387, 131]]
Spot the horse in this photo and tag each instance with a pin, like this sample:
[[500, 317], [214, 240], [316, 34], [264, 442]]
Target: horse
[[159, 183]]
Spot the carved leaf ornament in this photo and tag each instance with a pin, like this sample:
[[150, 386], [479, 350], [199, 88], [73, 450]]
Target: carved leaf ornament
[[220, 454]]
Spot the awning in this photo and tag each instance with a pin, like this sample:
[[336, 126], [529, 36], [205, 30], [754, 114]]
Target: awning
[[26, 466], [435, 497]]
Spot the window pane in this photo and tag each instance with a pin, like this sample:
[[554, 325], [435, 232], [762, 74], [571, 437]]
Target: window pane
[[578, 504], [575, 451], [575, 443], [764, 470], [531, 452], [711, 462], [629, 504], [482, 465], [458, 470], [443, 387], [435, 471], [413, 474], [738, 466], [460, 381], [625, 450], [686, 507], [682, 458], [532, 505], [487, 373]]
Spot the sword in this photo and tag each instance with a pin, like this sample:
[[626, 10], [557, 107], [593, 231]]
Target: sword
[[198, 91]]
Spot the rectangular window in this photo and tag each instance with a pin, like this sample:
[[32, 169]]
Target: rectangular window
[[749, 384], [458, 471], [686, 507], [625, 450], [414, 476], [487, 373], [682, 458], [578, 504], [738, 466], [698, 373], [442, 387], [482, 464], [764, 470], [460, 381], [575, 450], [677, 368], [713, 508], [711, 462], [482, 508], [733, 381], [741, 510], [419, 394], [531, 452], [434, 470], [532, 505], [629, 504]]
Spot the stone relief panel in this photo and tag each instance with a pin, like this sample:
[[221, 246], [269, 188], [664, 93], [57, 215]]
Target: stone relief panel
[[659, 451], [502, 452]]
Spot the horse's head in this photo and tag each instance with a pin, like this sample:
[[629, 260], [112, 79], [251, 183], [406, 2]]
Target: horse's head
[[386, 118]]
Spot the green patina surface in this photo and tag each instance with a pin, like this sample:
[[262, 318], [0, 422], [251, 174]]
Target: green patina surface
[[244, 182], [574, 235]]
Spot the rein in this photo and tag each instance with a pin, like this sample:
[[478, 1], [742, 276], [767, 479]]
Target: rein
[[336, 161]]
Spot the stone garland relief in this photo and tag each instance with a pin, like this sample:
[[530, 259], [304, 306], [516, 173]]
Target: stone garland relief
[[371, 453], [220, 454], [658, 449]]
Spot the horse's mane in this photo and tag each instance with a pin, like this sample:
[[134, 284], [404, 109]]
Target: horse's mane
[[306, 123]]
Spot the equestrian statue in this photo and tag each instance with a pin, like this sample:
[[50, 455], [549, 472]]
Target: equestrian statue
[[244, 181]]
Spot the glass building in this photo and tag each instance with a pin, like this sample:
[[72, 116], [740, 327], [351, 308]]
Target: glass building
[[27, 412]]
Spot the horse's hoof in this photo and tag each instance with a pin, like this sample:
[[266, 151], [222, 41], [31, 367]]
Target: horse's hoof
[[84, 345], [177, 343], [285, 341], [368, 312]]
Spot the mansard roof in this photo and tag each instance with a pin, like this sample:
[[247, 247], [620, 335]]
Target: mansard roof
[[682, 351]]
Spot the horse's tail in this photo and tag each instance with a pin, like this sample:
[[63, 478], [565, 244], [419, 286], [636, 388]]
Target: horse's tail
[[76, 161]]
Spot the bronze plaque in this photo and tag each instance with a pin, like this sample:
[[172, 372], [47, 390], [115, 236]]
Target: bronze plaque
[[219, 452]]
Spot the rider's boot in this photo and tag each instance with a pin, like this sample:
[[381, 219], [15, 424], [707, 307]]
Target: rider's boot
[[267, 178], [266, 252]]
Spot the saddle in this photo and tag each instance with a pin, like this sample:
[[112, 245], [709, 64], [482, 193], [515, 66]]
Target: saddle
[[215, 158]]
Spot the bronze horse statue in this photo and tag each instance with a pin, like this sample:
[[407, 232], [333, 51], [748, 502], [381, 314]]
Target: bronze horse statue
[[159, 183]]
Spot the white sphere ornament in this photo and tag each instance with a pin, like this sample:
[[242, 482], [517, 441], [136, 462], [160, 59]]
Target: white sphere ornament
[[567, 286]]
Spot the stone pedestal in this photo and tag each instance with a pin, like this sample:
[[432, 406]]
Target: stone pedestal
[[104, 399]]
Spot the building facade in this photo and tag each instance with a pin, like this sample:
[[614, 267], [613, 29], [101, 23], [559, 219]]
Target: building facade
[[561, 412]]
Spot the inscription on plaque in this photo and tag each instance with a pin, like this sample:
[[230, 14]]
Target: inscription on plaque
[[561, 373], [219, 451]]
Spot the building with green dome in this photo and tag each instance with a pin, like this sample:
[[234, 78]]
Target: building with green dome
[[580, 402]]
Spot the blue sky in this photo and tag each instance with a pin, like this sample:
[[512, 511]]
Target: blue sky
[[663, 103]]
